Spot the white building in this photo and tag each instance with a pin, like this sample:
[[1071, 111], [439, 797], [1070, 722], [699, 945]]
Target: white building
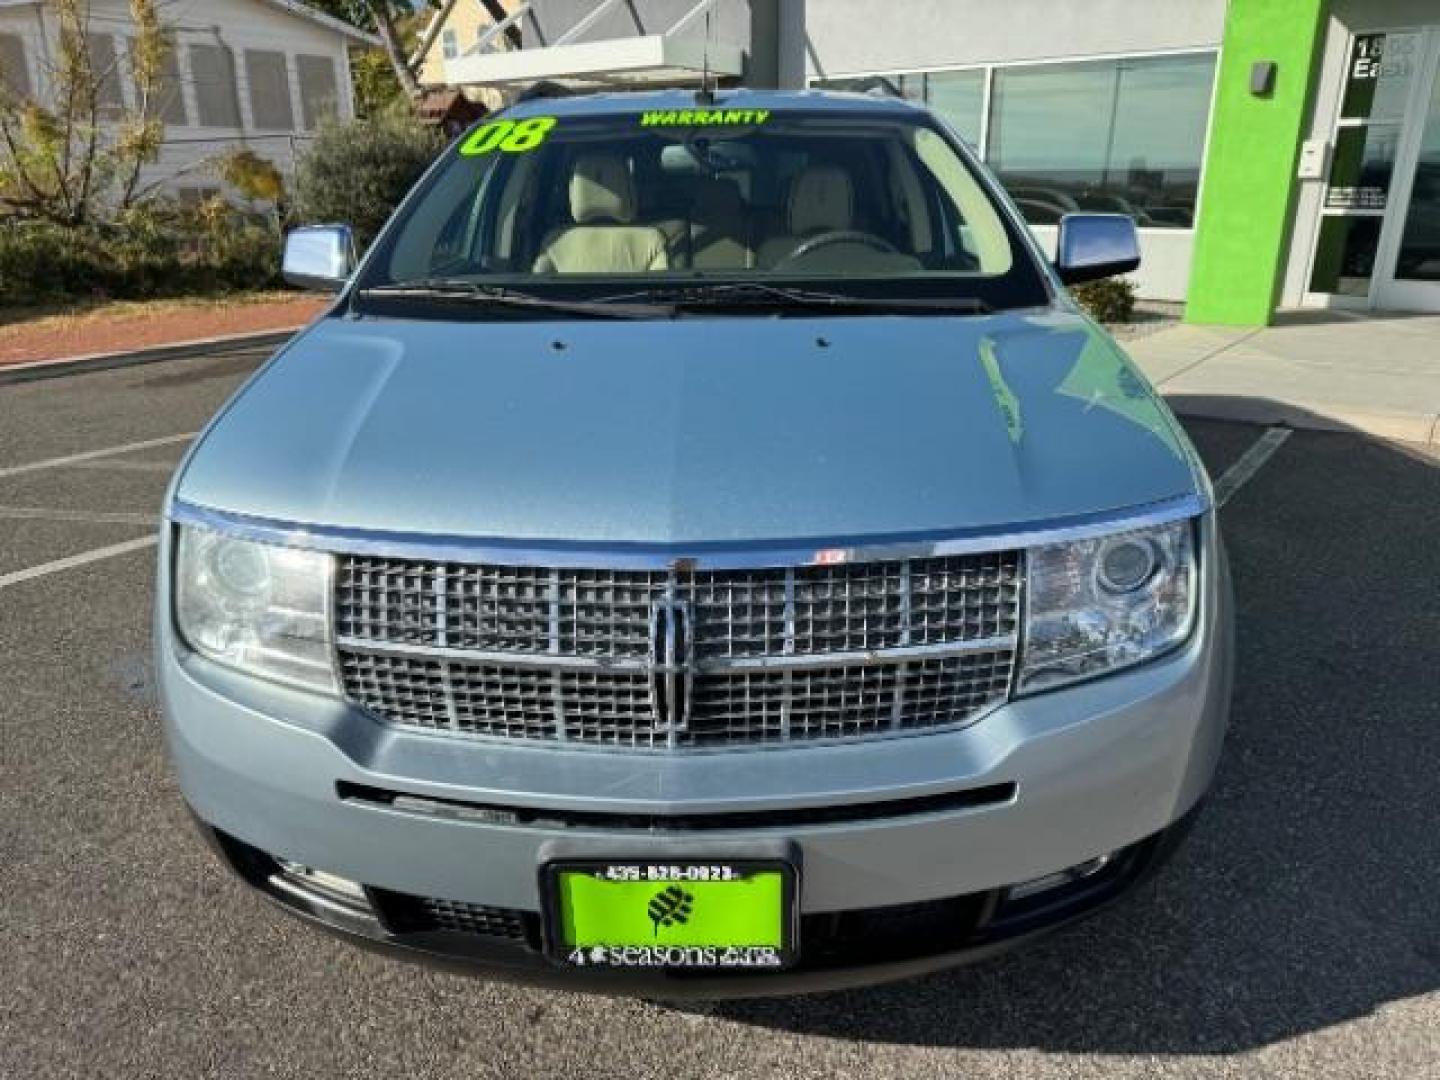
[[258, 73]]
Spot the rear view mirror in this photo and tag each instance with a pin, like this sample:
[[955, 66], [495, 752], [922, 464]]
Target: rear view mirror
[[319, 257], [1094, 246]]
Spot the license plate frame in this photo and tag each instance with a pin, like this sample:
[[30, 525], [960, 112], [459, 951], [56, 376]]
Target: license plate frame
[[687, 945]]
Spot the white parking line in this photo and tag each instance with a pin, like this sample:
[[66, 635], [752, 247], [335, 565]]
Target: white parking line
[[72, 561], [85, 517], [123, 466], [91, 455], [1250, 463]]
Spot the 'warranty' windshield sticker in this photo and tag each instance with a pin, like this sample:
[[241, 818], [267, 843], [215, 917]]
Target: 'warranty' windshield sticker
[[703, 117]]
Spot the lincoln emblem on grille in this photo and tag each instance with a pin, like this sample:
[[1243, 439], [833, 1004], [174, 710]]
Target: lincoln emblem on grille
[[671, 662]]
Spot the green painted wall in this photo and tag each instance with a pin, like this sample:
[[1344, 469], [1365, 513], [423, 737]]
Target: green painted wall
[[1247, 198]]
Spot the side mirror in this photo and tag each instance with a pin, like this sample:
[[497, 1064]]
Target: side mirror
[[1094, 246], [319, 257]]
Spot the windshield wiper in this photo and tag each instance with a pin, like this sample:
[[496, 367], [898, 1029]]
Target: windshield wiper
[[759, 294], [460, 290]]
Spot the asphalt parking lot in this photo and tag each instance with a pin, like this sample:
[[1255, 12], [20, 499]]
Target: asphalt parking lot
[[1294, 935]]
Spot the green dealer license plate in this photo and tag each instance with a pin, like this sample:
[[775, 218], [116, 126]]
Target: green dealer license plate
[[725, 914]]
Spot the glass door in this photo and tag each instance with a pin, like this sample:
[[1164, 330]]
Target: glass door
[[1410, 249], [1379, 82]]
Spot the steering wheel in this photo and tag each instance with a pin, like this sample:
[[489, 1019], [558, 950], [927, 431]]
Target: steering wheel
[[837, 236]]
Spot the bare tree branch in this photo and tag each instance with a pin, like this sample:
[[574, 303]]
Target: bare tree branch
[[395, 49], [79, 155]]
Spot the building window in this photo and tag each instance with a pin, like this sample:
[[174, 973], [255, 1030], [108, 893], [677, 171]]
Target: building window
[[14, 69], [449, 44], [1377, 85], [958, 96], [212, 67], [191, 195], [1120, 136], [167, 98], [319, 89], [269, 80], [105, 69]]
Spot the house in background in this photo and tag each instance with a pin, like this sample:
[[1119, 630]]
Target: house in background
[[463, 26], [255, 73]]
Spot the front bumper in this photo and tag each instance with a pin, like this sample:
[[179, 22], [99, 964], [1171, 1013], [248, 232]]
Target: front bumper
[[839, 950], [924, 834]]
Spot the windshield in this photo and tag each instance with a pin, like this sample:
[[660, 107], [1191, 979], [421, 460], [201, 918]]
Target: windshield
[[856, 203]]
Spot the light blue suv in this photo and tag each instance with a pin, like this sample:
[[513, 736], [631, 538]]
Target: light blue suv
[[703, 551]]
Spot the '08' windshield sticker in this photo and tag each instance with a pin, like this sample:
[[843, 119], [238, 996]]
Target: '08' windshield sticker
[[703, 117], [508, 136]]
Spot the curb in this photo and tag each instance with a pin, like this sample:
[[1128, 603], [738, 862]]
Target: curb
[[32, 371], [1421, 429]]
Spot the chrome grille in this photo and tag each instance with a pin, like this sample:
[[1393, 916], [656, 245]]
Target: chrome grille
[[768, 655]]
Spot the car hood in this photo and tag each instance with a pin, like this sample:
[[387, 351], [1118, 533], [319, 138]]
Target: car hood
[[693, 431]]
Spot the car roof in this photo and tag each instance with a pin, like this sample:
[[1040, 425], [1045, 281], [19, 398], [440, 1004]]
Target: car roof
[[654, 100]]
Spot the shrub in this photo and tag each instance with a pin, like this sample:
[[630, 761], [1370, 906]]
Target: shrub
[[376, 87], [151, 251], [229, 249], [1111, 300], [357, 172], [247, 257], [255, 177], [41, 261]]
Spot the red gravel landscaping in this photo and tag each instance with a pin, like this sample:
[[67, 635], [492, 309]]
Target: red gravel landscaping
[[126, 327]]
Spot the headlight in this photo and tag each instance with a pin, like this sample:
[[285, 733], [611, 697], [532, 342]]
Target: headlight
[[256, 607], [1098, 605]]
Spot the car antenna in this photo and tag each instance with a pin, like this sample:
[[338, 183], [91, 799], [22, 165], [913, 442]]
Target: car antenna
[[706, 94]]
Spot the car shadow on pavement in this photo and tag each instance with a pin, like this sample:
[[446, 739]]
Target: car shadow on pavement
[[1309, 892]]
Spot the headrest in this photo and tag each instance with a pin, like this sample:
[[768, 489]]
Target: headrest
[[821, 200], [601, 190]]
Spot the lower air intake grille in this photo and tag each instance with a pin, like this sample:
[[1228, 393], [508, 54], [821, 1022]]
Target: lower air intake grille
[[475, 919], [424, 914]]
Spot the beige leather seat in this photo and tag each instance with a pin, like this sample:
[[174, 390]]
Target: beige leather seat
[[604, 238], [821, 200]]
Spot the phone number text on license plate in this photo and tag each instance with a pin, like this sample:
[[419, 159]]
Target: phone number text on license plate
[[676, 956], [661, 872]]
